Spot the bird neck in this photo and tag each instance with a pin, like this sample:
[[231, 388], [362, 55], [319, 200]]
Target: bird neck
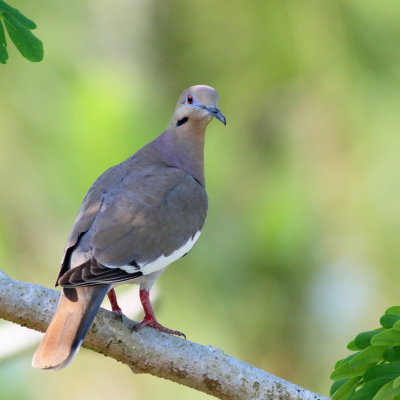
[[183, 147]]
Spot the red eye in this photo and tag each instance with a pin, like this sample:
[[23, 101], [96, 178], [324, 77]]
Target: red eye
[[190, 99]]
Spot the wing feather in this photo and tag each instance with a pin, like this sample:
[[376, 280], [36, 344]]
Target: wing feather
[[132, 215], [92, 273]]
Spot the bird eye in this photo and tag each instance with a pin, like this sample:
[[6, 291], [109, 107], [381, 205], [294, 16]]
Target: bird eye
[[190, 99]]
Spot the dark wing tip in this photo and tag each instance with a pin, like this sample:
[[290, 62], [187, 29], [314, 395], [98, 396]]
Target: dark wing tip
[[93, 273]]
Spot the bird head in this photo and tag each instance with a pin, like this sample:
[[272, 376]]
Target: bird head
[[197, 103]]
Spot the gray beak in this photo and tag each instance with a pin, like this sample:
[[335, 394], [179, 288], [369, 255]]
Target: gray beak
[[215, 113]]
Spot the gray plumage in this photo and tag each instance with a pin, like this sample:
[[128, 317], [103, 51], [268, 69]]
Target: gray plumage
[[145, 210], [137, 217]]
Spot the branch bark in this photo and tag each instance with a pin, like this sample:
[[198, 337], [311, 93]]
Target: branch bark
[[204, 368]]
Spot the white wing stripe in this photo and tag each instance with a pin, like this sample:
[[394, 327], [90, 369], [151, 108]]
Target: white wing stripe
[[161, 262]]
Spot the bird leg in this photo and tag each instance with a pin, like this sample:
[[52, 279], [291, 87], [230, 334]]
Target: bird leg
[[150, 318], [116, 309]]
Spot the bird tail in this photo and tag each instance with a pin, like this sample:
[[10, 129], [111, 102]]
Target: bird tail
[[74, 315]]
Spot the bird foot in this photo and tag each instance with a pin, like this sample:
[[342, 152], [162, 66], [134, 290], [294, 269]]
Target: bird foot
[[119, 314], [116, 309], [156, 325]]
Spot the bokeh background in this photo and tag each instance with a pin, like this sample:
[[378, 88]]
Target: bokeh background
[[300, 250]]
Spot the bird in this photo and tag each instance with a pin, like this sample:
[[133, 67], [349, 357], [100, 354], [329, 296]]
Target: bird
[[138, 217]]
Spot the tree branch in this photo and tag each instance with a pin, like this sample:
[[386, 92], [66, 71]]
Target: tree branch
[[204, 368]]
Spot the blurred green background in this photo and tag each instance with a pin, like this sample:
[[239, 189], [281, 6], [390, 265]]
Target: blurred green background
[[300, 249]]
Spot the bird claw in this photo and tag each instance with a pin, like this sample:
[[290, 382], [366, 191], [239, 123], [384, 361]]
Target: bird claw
[[119, 315], [156, 325]]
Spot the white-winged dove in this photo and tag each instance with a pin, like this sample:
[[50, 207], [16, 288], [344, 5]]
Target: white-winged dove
[[136, 219]]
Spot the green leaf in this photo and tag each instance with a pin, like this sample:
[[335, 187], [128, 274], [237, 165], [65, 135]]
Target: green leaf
[[392, 354], [28, 23], [3, 45], [393, 310], [338, 364], [370, 355], [346, 390], [388, 320], [352, 346], [396, 326], [345, 371], [25, 41], [391, 370], [390, 337], [368, 391], [363, 339], [336, 385], [344, 360], [396, 382], [387, 392]]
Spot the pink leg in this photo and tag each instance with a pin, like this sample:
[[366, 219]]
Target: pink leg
[[116, 309], [150, 318]]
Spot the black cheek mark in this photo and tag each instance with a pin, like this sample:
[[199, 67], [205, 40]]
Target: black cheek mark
[[182, 121]]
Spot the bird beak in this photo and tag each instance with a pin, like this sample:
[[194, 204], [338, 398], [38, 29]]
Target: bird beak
[[215, 113]]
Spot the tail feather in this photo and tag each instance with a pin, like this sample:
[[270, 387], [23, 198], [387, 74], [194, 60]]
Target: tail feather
[[74, 315]]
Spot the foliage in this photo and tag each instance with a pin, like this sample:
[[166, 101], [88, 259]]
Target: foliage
[[373, 371], [302, 231], [19, 29]]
